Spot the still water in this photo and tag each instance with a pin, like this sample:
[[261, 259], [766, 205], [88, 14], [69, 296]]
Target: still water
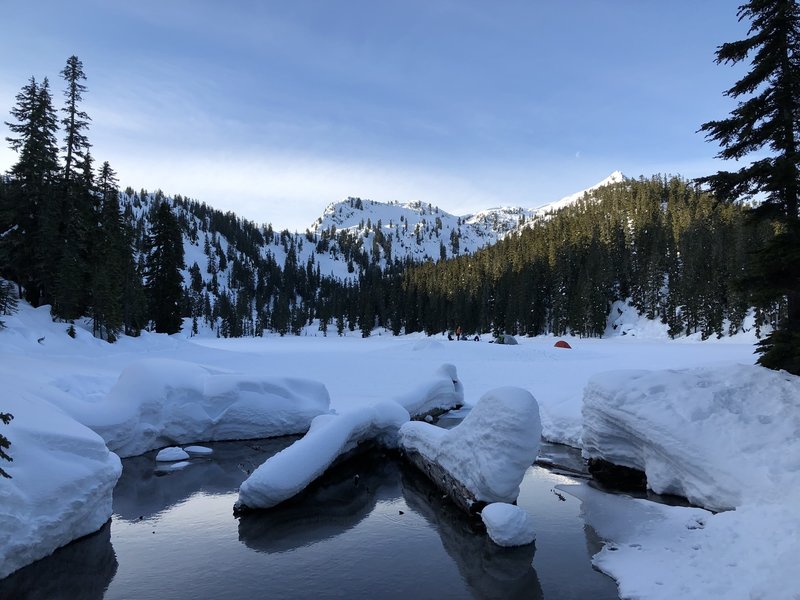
[[386, 534]]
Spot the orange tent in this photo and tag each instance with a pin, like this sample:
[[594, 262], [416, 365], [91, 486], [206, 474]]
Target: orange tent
[[562, 344]]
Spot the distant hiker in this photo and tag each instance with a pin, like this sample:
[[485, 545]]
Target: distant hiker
[[458, 332]]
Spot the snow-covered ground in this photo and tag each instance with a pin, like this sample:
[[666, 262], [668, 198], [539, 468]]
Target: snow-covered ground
[[48, 379]]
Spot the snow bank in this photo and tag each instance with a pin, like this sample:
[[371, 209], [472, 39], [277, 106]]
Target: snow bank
[[489, 451], [439, 394], [289, 472], [508, 525], [62, 479], [158, 402], [719, 437], [666, 552]]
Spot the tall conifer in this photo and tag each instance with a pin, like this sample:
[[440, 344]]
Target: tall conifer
[[767, 118], [163, 278]]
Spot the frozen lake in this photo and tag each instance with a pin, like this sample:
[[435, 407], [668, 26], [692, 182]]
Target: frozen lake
[[388, 535]]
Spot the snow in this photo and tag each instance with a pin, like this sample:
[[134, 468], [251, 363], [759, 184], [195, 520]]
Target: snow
[[62, 479], [440, 393], [199, 450], [330, 436], [667, 424], [489, 451], [508, 525], [63, 473], [289, 472], [664, 552], [724, 437], [173, 453], [156, 402]]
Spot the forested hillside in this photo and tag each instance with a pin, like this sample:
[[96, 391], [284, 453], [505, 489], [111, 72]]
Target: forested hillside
[[661, 242]]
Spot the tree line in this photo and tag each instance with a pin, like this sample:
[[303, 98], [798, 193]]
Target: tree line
[[63, 238]]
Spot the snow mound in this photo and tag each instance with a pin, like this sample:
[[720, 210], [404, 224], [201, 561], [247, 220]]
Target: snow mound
[[717, 436], [289, 472], [62, 480], [490, 450], [158, 402], [665, 552], [441, 393], [508, 525], [171, 454], [427, 344], [201, 450]]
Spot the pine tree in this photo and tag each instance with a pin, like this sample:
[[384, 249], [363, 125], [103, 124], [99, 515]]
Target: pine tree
[[28, 213], [766, 119], [111, 256], [163, 279], [4, 444], [75, 121]]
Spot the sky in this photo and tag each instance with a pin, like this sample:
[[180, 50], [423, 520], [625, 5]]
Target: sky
[[273, 110]]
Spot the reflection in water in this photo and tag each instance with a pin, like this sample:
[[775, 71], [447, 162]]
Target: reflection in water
[[490, 570], [142, 491], [338, 501], [387, 533], [82, 569]]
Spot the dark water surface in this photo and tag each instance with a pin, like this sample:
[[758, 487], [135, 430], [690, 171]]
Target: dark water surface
[[388, 534]]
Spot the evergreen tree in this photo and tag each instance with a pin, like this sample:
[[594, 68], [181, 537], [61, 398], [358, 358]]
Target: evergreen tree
[[75, 121], [8, 300], [163, 279], [28, 207], [4, 444], [767, 118], [111, 255]]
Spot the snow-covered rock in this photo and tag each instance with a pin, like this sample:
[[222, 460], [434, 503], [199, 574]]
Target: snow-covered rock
[[199, 450], [489, 451], [171, 454], [508, 525], [717, 436], [62, 480], [289, 472], [442, 392], [157, 402]]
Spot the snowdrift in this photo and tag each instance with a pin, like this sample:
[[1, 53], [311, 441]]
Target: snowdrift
[[62, 479], [162, 402], [719, 437]]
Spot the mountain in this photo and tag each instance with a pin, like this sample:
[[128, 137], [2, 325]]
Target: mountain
[[241, 278], [418, 231]]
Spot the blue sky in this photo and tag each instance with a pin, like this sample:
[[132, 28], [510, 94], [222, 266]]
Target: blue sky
[[275, 109]]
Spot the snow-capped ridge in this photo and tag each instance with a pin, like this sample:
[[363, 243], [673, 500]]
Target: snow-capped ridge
[[615, 177]]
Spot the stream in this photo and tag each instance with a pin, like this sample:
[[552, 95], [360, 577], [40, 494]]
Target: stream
[[387, 533]]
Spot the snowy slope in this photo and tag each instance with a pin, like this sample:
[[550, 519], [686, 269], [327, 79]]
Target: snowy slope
[[615, 177], [382, 231]]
